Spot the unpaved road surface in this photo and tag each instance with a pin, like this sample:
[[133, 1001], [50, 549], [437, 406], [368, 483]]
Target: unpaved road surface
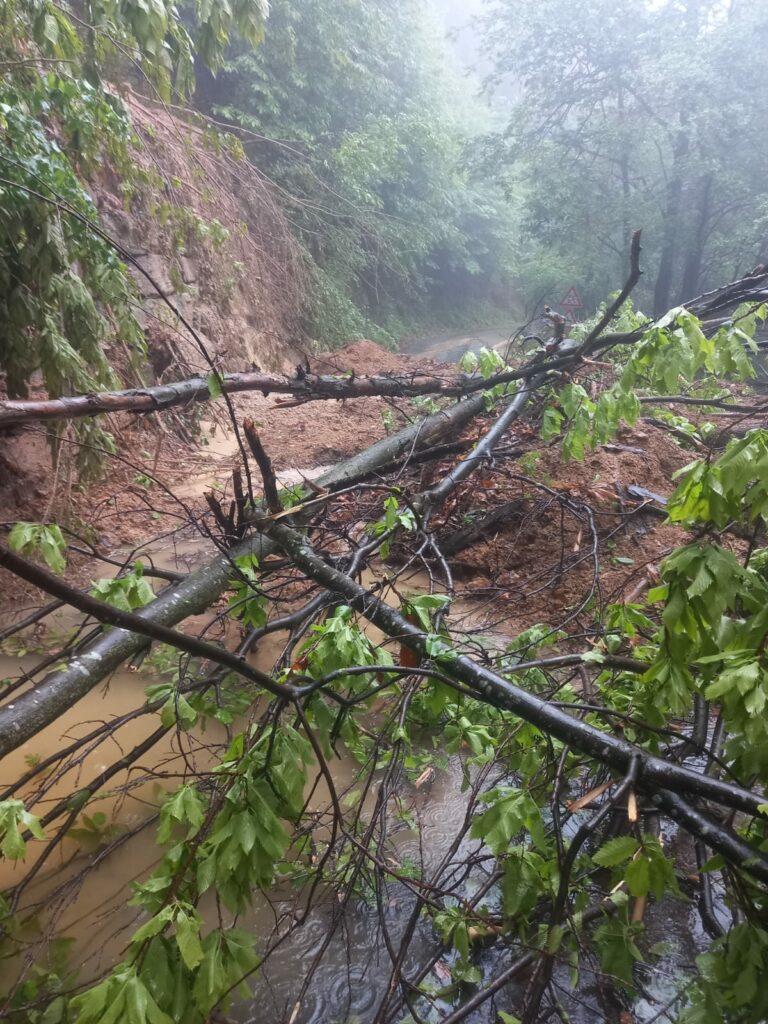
[[450, 346]]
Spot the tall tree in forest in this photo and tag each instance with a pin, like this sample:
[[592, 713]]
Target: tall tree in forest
[[635, 114], [354, 106]]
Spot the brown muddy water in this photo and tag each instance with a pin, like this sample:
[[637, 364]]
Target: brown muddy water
[[79, 892], [82, 894]]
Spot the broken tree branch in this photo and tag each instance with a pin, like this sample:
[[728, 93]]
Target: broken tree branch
[[271, 497], [494, 689], [134, 621], [33, 710], [308, 387], [621, 298], [483, 449]]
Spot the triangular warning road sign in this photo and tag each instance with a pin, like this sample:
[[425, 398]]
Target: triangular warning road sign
[[572, 300]]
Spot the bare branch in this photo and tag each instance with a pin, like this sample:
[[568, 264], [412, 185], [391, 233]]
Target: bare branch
[[134, 621], [491, 688], [621, 298], [264, 462]]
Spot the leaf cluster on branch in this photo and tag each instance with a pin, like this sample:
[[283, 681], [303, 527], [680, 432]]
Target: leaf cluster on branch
[[573, 761]]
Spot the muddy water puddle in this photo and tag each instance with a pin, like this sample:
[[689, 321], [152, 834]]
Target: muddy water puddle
[[86, 897], [354, 971], [220, 449], [82, 894]]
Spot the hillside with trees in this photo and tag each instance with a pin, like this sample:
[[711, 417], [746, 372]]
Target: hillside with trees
[[338, 684], [631, 113]]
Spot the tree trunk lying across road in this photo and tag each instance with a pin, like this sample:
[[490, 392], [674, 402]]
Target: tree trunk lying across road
[[663, 780], [305, 387], [33, 710]]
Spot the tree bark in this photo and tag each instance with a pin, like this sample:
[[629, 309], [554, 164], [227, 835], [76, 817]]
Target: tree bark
[[38, 707], [695, 251], [669, 250], [304, 388]]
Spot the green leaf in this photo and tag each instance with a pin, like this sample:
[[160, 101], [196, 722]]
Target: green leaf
[[13, 846], [52, 547], [615, 851], [215, 382], [715, 863], [56, 1012], [422, 605], [29, 538], [14, 819], [525, 880], [510, 812], [468, 362], [178, 712], [593, 657], [246, 830], [185, 806], [617, 950], [638, 876], [153, 927], [188, 940], [551, 424]]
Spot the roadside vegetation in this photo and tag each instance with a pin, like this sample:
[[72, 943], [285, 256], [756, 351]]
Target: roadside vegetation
[[544, 584]]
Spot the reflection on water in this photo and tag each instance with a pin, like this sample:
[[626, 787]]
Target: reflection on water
[[355, 970], [450, 347], [347, 941]]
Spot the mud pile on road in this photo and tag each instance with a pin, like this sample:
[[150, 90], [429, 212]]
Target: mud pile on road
[[534, 538], [546, 541], [306, 434]]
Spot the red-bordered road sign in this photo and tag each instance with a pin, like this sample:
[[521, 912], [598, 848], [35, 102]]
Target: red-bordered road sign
[[572, 300], [571, 305]]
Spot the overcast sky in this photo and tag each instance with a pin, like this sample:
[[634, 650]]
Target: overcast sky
[[457, 16]]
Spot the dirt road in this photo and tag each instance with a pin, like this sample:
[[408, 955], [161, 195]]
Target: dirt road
[[451, 345]]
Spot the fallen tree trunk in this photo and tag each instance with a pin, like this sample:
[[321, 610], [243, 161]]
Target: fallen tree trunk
[[196, 389], [658, 777], [111, 616], [305, 387], [38, 707]]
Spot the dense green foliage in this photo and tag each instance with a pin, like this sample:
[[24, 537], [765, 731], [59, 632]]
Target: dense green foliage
[[629, 115], [700, 634], [66, 301], [367, 139]]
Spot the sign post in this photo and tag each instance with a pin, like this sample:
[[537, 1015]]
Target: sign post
[[571, 305]]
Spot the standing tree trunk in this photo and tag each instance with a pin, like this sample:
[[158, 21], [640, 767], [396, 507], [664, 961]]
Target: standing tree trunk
[[674, 196], [624, 169], [695, 254]]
